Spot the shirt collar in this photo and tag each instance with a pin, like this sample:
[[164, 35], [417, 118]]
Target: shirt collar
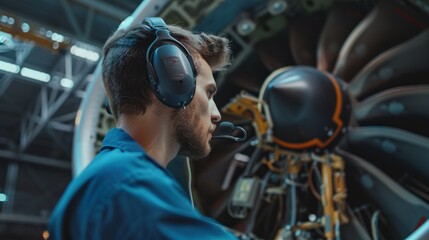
[[118, 138]]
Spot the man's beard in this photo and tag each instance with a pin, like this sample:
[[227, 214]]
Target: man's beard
[[190, 133]]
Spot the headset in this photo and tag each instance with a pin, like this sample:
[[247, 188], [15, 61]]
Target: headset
[[171, 69]]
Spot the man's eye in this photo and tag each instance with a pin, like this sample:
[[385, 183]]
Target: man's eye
[[210, 93]]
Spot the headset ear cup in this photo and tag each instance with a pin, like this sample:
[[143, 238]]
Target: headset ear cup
[[173, 77], [171, 69]]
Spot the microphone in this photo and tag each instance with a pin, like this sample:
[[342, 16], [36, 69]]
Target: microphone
[[226, 129]]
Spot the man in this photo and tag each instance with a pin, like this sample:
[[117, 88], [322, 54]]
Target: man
[[126, 192]]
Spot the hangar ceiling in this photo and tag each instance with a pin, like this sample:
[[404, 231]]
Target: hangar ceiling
[[49, 49]]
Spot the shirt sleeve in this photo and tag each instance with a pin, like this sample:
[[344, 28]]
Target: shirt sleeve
[[154, 207]]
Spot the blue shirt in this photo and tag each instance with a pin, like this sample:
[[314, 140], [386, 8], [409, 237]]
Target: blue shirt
[[124, 194]]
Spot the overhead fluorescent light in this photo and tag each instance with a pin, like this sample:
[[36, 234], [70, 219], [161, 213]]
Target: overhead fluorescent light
[[5, 37], [3, 197], [66, 83], [6, 40], [34, 74], [6, 19], [57, 37], [84, 53], [25, 27], [9, 67], [276, 7], [246, 26]]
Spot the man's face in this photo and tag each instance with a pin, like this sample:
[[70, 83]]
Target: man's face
[[195, 124]]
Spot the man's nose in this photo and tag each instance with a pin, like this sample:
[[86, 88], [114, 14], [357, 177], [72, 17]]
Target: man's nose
[[215, 114]]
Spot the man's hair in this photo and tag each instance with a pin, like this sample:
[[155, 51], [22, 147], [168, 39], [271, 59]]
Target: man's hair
[[124, 66]]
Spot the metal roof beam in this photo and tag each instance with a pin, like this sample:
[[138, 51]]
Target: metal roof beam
[[89, 23], [104, 8], [46, 107], [20, 218], [11, 177], [35, 159], [71, 18]]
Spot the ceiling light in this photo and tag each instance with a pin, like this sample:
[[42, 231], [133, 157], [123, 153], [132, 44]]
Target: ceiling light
[[6, 39], [276, 7], [245, 26], [9, 67], [66, 83], [11, 21], [3, 197], [34, 74], [84, 53], [57, 37], [4, 19], [25, 27], [7, 20], [48, 33]]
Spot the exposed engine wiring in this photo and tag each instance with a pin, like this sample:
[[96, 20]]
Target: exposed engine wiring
[[293, 202], [311, 184]]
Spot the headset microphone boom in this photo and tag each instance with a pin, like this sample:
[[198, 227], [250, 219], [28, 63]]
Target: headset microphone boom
[[226, 129]]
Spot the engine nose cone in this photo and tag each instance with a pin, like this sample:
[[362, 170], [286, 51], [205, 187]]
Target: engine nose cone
[[309, 108]]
